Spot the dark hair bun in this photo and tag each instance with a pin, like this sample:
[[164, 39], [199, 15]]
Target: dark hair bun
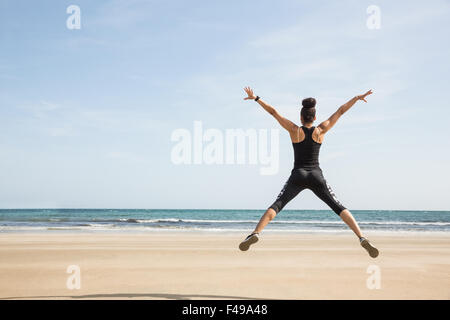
[[309, 103]]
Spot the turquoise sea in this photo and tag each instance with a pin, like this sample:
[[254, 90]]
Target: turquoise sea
[[150, 220]]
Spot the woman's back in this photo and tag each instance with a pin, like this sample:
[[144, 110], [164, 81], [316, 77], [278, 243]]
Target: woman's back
[[306, 152]]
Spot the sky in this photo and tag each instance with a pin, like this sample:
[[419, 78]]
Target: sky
[[87, 115]]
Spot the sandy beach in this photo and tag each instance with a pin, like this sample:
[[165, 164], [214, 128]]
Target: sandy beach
[[206, 265]]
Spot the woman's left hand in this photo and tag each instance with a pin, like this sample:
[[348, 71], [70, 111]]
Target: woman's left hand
[[250, 94]]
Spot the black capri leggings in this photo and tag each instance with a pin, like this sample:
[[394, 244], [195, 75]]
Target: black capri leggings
[[312, 179]]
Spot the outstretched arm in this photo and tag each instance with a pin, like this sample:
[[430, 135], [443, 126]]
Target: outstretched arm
[[331, 121], [285, 123]]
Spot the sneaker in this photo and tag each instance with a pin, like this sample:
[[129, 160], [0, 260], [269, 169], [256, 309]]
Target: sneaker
[[251, 239], [373, 252]]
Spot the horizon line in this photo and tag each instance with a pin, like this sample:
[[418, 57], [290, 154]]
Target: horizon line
[[216, 209]]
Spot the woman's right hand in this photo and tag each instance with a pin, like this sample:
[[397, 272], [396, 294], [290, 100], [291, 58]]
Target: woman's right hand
[[363, 97]]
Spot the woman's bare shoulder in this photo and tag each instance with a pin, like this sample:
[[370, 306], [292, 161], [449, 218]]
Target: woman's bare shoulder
[[317, 135], [297, 135]]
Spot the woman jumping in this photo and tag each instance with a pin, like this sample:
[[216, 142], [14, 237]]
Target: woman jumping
[[307, 173]]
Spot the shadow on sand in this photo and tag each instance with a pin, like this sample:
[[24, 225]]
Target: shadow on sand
[[169, 296]]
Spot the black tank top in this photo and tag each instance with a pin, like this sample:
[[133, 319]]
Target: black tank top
[[306, 152]]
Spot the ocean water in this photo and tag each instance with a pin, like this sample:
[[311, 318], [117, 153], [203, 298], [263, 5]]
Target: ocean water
[[148, 220]]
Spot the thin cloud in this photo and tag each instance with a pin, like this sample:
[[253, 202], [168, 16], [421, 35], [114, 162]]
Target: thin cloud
[[40, 110], [328, 157], [60, 132], [126, 156]]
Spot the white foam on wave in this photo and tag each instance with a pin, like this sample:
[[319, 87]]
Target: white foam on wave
[[175, 220], [144, 229]]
